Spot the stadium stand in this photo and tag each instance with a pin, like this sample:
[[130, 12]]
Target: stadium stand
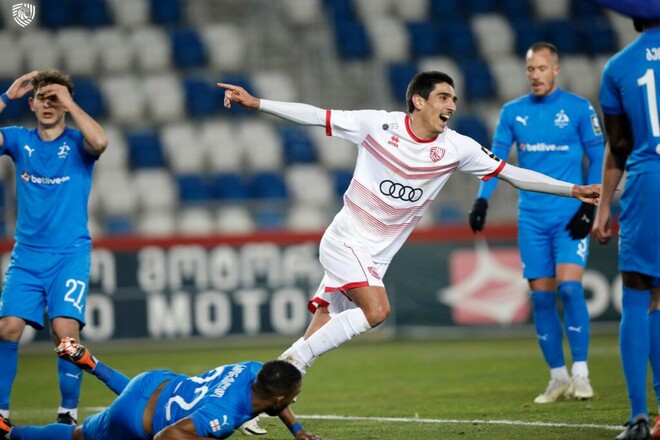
[[179, 163]]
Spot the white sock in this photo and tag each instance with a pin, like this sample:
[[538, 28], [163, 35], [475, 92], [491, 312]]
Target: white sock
[[72, 411], [560, 373], [580, 369], [335, 332]]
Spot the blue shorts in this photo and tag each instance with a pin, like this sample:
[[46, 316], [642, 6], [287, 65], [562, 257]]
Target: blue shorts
[[639, 236], [36, 280], [544, 243], [123, 419]]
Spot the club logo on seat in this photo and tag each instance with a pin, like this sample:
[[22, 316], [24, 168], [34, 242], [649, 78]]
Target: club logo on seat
[[23, 13]]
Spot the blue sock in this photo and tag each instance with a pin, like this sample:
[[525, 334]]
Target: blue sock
[[654, 350], [8, 368], [548, 327], [115, 380], [54, 431], [70, 381], [576, 318], [634, 346]]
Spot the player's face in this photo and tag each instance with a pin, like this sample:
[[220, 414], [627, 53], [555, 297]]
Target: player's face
[[48, 110], [435, 111], [542, 71], [288, 400]]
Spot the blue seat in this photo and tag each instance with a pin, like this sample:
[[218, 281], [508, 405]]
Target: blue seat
[[443, 11], [91, 13], [586, 11], [339, 8], [473, 126], [230, 186], [527, 32], [352, 40], [565, 35], [187, 48], [400, 75], [516, 8], [239, 80], [482, 6], [164, 12], [56, 14], [598, 36], [298, 146], [462, 42], [203, 98], [425, 39], [194, 188], [341, 179], [89, 97], [268, 185], [18, 109], [144, 149], [270, 216], [479, 83], [119, 225]]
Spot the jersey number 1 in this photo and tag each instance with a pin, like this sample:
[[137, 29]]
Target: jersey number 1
[[648, 80]]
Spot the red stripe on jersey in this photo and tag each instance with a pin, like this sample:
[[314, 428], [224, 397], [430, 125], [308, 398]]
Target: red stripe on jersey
[[369, 198], [315, 303], [397, 166], [415, 138], [328, 127], [494, 173], [371, 222]]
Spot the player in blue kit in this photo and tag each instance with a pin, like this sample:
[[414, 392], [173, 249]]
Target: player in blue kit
[[553, 130], [629, 96], [165, 405], [50, 262]]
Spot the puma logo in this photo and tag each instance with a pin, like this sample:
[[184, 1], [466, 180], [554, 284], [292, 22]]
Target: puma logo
[[575, 329], [29, 150], [522, 120]]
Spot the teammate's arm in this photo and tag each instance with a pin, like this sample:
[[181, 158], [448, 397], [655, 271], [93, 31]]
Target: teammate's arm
[[184, 429], [19, 88]]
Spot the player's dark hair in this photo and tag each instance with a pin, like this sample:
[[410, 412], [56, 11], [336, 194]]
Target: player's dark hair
[[545, 45], [52, 76], [423, 84], [277, 377]]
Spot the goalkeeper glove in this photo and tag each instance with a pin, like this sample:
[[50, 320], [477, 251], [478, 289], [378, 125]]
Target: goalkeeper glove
[[478, 214], [580, 224]]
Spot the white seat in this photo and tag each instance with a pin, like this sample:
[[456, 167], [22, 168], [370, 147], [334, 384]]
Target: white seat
[[155, 189], [116, 195], [156, 223], [11, 60], [130, 13], [367, 9], [277, 85], [334, 153], [126, 102], [302, 12], [447, 65], [412, 10], [78, 55], [309, 184], [164, 97], [39, 50], [307, 218], [195, 221], [234, 220], [152, 48], [262, 145], [224, 151], [115, 54], [183, 148], [551, 9], [494, 36], [226, 46], [390, 39], [510, 77], [582, 74], [625, 31], [115, 156]]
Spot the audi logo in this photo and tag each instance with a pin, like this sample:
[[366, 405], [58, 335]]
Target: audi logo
[[398, 191]]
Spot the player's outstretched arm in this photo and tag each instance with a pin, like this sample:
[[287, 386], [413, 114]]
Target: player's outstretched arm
[[290, 421], [240, 96], [587, 193]]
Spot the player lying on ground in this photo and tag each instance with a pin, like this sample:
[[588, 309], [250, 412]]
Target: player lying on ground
[[164, 405]]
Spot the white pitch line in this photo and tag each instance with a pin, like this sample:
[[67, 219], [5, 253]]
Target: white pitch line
[[449, 421]]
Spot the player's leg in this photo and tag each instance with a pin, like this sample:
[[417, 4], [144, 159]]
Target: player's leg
[[66, 292], [54, 431], [537, 254], [654, 349], [11, 329]]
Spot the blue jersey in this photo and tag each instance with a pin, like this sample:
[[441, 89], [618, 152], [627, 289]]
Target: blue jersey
[[551, 134], [218, 401], [631, 85], [53, 181]]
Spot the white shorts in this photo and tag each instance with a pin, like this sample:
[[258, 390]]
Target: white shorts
[[347, 266]]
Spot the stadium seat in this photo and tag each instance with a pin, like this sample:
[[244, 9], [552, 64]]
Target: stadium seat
[[78, 55], [598, 35], [238, 79], [188, 48], [494, 36], [56, 14], [230, 187], [226, 46], [527, 32], [462, 42], [389, 37], [166, 12], [118, 225], [88, 96], [116, 193], [515, 8], [203, 98], [334, 153], [298, 146], [195, 221], [400, 75], [125, 99], [164, 97], [223, 150], [564, 34], [339, 8], [234, 220], [11, 60], [114, 52], [152, 48], [368, 9], [425, 40], [342, 179], [449, 66], [18, 109], [307, 218], [115, 156], [479, 84], [445, 10], [310, 185], [582, 78], [302, 12], [183, 148], [547, 10], [473, 126], [509, 74], [144, 149], [585, 11], [412, 10], [194, 188], [275, 85], [270, 216], [155, 189], [38, 49], [130, 13], [268, 185], [261, 145], [156, 223], [351, 39], [92, 13], [477, 7]]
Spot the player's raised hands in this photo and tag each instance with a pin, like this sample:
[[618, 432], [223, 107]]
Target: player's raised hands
[[58, 93], [587, 193], [238, 95], [21, 86]]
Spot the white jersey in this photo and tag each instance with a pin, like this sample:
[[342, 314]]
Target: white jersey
[[397, 176]]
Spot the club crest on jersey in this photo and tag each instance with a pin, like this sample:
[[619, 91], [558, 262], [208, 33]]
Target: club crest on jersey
[[64, 151], [436, 154], [25, 176], [394, 141], [561, 119], [374, 273]]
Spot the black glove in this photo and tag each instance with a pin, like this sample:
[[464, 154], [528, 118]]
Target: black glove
[[478, 214], [580, 224]]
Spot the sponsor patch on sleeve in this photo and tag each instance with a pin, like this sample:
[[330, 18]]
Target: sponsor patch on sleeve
[[490, 154], [595, 125]]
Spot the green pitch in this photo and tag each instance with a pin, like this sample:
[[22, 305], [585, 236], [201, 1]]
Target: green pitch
[[370, 389]]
